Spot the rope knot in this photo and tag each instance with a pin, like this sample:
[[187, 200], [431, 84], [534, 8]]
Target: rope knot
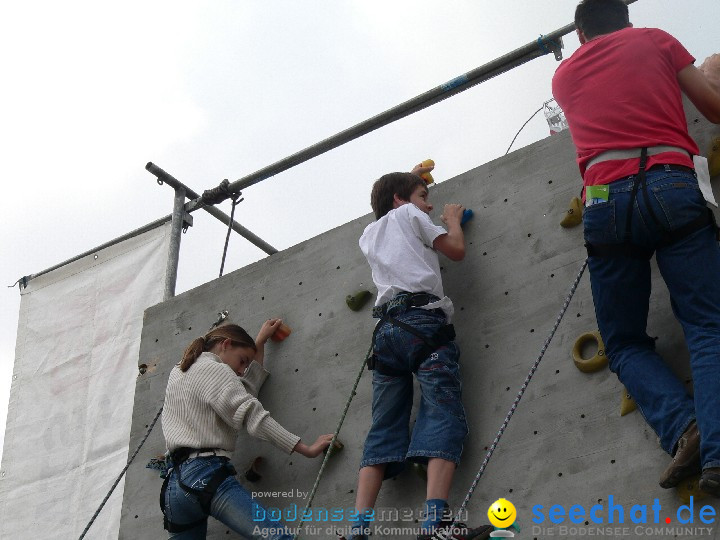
[[219, 194]]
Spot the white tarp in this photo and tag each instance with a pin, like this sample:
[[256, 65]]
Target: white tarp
[[72, 394]]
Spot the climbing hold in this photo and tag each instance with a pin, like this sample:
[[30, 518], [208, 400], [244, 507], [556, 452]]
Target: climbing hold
[[419, 469], [427, 176], [335, 448], [252, 474], [281, 333], [627, 403], [595, 363], [467, 216], [573, 216], [690, 488], [357, 301], [714, 157]]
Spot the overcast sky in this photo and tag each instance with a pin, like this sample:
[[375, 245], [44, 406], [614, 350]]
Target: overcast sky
[[210, 90]]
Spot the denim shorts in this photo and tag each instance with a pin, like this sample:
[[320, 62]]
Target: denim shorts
[[440, 428]]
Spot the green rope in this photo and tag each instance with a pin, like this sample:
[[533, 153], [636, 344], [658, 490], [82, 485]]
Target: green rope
[[332, 443]]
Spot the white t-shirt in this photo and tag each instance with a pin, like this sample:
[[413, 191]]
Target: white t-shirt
[[398, 247]]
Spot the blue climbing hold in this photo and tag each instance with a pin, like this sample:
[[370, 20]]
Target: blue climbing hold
[[467, 216]]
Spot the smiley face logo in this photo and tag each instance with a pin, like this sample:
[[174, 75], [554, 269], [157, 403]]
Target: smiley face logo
[[502, 513]]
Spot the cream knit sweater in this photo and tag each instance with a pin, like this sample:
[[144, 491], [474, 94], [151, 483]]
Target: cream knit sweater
[[208, 405]]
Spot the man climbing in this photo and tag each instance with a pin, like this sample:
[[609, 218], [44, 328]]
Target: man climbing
[[621, 94], [413, 337]]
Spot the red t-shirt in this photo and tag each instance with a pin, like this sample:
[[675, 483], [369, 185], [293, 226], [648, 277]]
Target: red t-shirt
[[621, 91]]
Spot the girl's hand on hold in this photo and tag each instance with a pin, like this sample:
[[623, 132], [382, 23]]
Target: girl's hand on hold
[[315, 449], [268, 329]]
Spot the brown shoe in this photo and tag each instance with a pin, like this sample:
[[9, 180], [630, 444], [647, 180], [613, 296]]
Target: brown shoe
[[710, 481], [686, 461]]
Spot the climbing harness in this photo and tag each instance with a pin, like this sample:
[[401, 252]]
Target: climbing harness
[[444, 335], [443, 535], [627, 248], [595, 363], [204, 495]]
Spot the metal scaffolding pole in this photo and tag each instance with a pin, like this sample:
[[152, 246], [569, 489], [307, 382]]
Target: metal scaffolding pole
[[171, 269], [167, 178], [543, 45]]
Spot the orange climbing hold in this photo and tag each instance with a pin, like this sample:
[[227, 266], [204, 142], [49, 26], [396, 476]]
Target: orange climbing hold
[[281, 333]]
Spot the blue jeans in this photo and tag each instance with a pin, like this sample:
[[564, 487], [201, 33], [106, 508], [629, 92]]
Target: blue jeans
[[620, 285], [232, 504], [440, 427]]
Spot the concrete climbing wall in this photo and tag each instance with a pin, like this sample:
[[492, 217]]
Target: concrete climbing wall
[[567, 443]]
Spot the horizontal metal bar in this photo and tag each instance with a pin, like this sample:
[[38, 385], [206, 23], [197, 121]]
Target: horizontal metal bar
[[519, 56], [212, 210], [136, 232]]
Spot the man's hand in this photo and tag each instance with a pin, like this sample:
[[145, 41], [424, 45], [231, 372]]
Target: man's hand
[[711, 69], [315, 449], [268, 329], [452, 213]]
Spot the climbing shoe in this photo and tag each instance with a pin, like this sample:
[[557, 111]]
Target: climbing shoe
[[459, 531], [686, 461], [710, 481]]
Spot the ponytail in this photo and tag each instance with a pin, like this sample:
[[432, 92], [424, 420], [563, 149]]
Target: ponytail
[[233, 332]]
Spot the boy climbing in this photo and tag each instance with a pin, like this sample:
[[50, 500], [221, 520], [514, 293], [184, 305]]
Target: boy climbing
[[621, 94], [413, 336]]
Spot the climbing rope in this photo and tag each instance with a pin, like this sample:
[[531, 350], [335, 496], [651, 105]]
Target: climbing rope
[[523, 127], [332, 443], [235, 202], [97, 512], [444, 534]]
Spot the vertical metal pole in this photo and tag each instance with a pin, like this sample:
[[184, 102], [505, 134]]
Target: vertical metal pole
[[174, 249]]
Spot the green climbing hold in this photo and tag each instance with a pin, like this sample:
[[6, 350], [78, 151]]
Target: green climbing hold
[[357, 301], [335, 448]]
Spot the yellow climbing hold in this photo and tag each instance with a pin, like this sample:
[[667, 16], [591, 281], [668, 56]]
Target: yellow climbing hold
[[627, 403], [690, 488], [427, 176], [714, 157], [595, 363], [573, 216]]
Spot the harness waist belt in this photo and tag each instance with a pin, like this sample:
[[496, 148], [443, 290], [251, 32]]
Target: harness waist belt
[[630, 153], [209, 453]]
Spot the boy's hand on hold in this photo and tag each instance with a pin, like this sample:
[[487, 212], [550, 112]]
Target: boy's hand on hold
[[452, 213], [419, 170], [711, 69], [266, 330], [315, 449]]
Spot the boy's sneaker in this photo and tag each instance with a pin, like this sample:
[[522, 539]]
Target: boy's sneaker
[[686, 461], [459, 531], [710, 481]]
